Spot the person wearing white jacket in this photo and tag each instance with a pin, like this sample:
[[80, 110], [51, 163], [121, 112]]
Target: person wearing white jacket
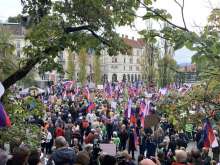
[[48, 142]]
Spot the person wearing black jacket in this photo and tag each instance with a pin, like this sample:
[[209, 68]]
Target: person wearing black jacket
[[131, 143], [123, 135], [63, 154]]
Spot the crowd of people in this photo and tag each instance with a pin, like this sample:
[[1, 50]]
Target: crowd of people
[[78, 120]]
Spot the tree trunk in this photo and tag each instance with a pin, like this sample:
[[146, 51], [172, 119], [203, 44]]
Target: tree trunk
[[19, 74]]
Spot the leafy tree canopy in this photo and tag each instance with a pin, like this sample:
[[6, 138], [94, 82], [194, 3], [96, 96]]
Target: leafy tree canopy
[[55, 25]]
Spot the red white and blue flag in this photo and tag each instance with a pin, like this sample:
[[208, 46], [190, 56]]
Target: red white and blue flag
[[4, 118], [209, 136], [91, 107]]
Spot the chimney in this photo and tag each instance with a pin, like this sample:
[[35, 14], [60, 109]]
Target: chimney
[[126, 36], [132, 38], [122, 36]]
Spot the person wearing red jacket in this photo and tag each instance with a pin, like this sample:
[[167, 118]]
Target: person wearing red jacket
[[59, 132]]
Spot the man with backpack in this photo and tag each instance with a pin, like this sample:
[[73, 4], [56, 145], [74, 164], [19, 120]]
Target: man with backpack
[[84, 124], [63, 154]]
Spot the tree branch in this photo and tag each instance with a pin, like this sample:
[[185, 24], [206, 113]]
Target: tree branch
[[182, 11], [22, 72], [88, 28], [162, 17], [75, 29]]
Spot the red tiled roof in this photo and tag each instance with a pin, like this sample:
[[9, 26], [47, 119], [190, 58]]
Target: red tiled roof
[[14, 28], [139, 43]]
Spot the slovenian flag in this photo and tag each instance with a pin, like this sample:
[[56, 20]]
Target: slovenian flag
[[4, 119], [87, 93], [129, 108], [91, 107], [209, 136], [133, 119], [141, 112]]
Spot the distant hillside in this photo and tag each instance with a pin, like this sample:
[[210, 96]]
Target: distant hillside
[[184, 64]]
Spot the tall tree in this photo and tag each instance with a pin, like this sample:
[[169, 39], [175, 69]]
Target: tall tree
[[97, 69], [149, 61], [16, 19], [70, 66], [166, 70], [82, 65], [8, 61], [56, 25]]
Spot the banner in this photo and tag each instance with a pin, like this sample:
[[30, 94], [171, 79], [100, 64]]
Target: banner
[[109, 149], [100, 87], [2, 90]]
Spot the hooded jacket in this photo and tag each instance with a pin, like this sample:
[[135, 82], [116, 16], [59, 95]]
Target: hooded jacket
[[62, 156]]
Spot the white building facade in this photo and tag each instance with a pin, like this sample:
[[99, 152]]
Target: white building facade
[[124, 67], [121, 67]]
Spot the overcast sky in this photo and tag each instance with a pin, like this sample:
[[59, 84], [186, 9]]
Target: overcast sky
[[196, 13]]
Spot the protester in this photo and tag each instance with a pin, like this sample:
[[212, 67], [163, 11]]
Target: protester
[[131, 142], [216, 149], [147, 162], [81, 118], [3, 157], [63, 154], [181, 157], [108, 160], [82, 158], [19, 156], [34, 158], [123, 135], [205, 156]]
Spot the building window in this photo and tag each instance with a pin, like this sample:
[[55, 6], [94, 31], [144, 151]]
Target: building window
[[130, 68], [45, 76], [135, 77], [129, 77], [114, 77], [124, 60], [18, 53], [114, 66], [18, 44], [137, 52], [131, 60], [137, 68], [61, 56], [132, 78], [124, 78], [138, 61], [114, 60], [124, 67]]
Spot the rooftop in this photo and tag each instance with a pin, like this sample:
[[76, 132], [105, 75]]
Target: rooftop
[[139, 43], [14, 28]]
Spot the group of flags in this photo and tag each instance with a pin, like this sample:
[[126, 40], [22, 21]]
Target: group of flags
[[143, 112], [208, 137]]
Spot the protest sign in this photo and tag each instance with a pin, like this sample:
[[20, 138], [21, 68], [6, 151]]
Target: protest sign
[[2, 89], [100, 87], [109, 149]]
